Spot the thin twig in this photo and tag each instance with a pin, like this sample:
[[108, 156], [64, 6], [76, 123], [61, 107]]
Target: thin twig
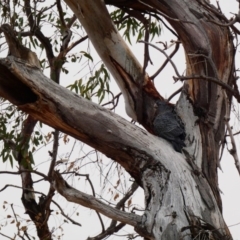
[[93, 192], [62, 212], [211, 79], [166, 26], [66, 216], [233, 151], [121, 203], [113, 101], [113, 227], [71, 21], [167, 60], [5, 236], [45, 41], [76, 43], [109, 231], [218, 13], [163, 52], [25, 170], [132, 189], [145, 23], [15, 216], [174, 94]]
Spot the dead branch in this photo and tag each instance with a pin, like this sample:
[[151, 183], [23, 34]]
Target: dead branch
[[74, 195], [113, 227], [25, 170], [132, 189], [65, 215], [160, 50], [113, 101], [5, 236], [167, 60], [166, 26], [15, 216], [109, 231], [93, 192], [174, 94], [211, 79], [219, 14], [232, 151]]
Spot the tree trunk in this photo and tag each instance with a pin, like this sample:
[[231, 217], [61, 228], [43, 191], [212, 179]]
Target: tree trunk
[[182, 199]]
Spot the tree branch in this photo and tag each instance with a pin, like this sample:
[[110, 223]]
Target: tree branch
[[145, 23], [5, 236], [93, 193], [65, 215], [233, 151], [174, 94], [54, 153], [44, 40], [211, 79], [74, 44], [60, 11], [132, 189], [73, 195], [168, 58], [113, 227], [109, 231], [25, 170], [33, 191], [72, 20], [52, 99]]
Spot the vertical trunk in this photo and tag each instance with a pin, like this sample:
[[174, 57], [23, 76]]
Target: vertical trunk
[[210, 54]]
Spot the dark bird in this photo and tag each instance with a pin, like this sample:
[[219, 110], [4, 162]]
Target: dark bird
[[16, 49], [168, 125]]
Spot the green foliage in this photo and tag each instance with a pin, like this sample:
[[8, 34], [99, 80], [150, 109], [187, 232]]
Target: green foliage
[[7, 137], [11, 121], [97, 85], [131, 27]]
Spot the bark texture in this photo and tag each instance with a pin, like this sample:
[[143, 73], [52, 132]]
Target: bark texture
[[209, 54], [181, 190], [172, 199]]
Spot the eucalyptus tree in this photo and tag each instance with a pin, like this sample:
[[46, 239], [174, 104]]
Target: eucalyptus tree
[[180, 184]]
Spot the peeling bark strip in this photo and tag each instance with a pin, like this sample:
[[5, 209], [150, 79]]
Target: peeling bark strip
[[132, 89], [138, 90]]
